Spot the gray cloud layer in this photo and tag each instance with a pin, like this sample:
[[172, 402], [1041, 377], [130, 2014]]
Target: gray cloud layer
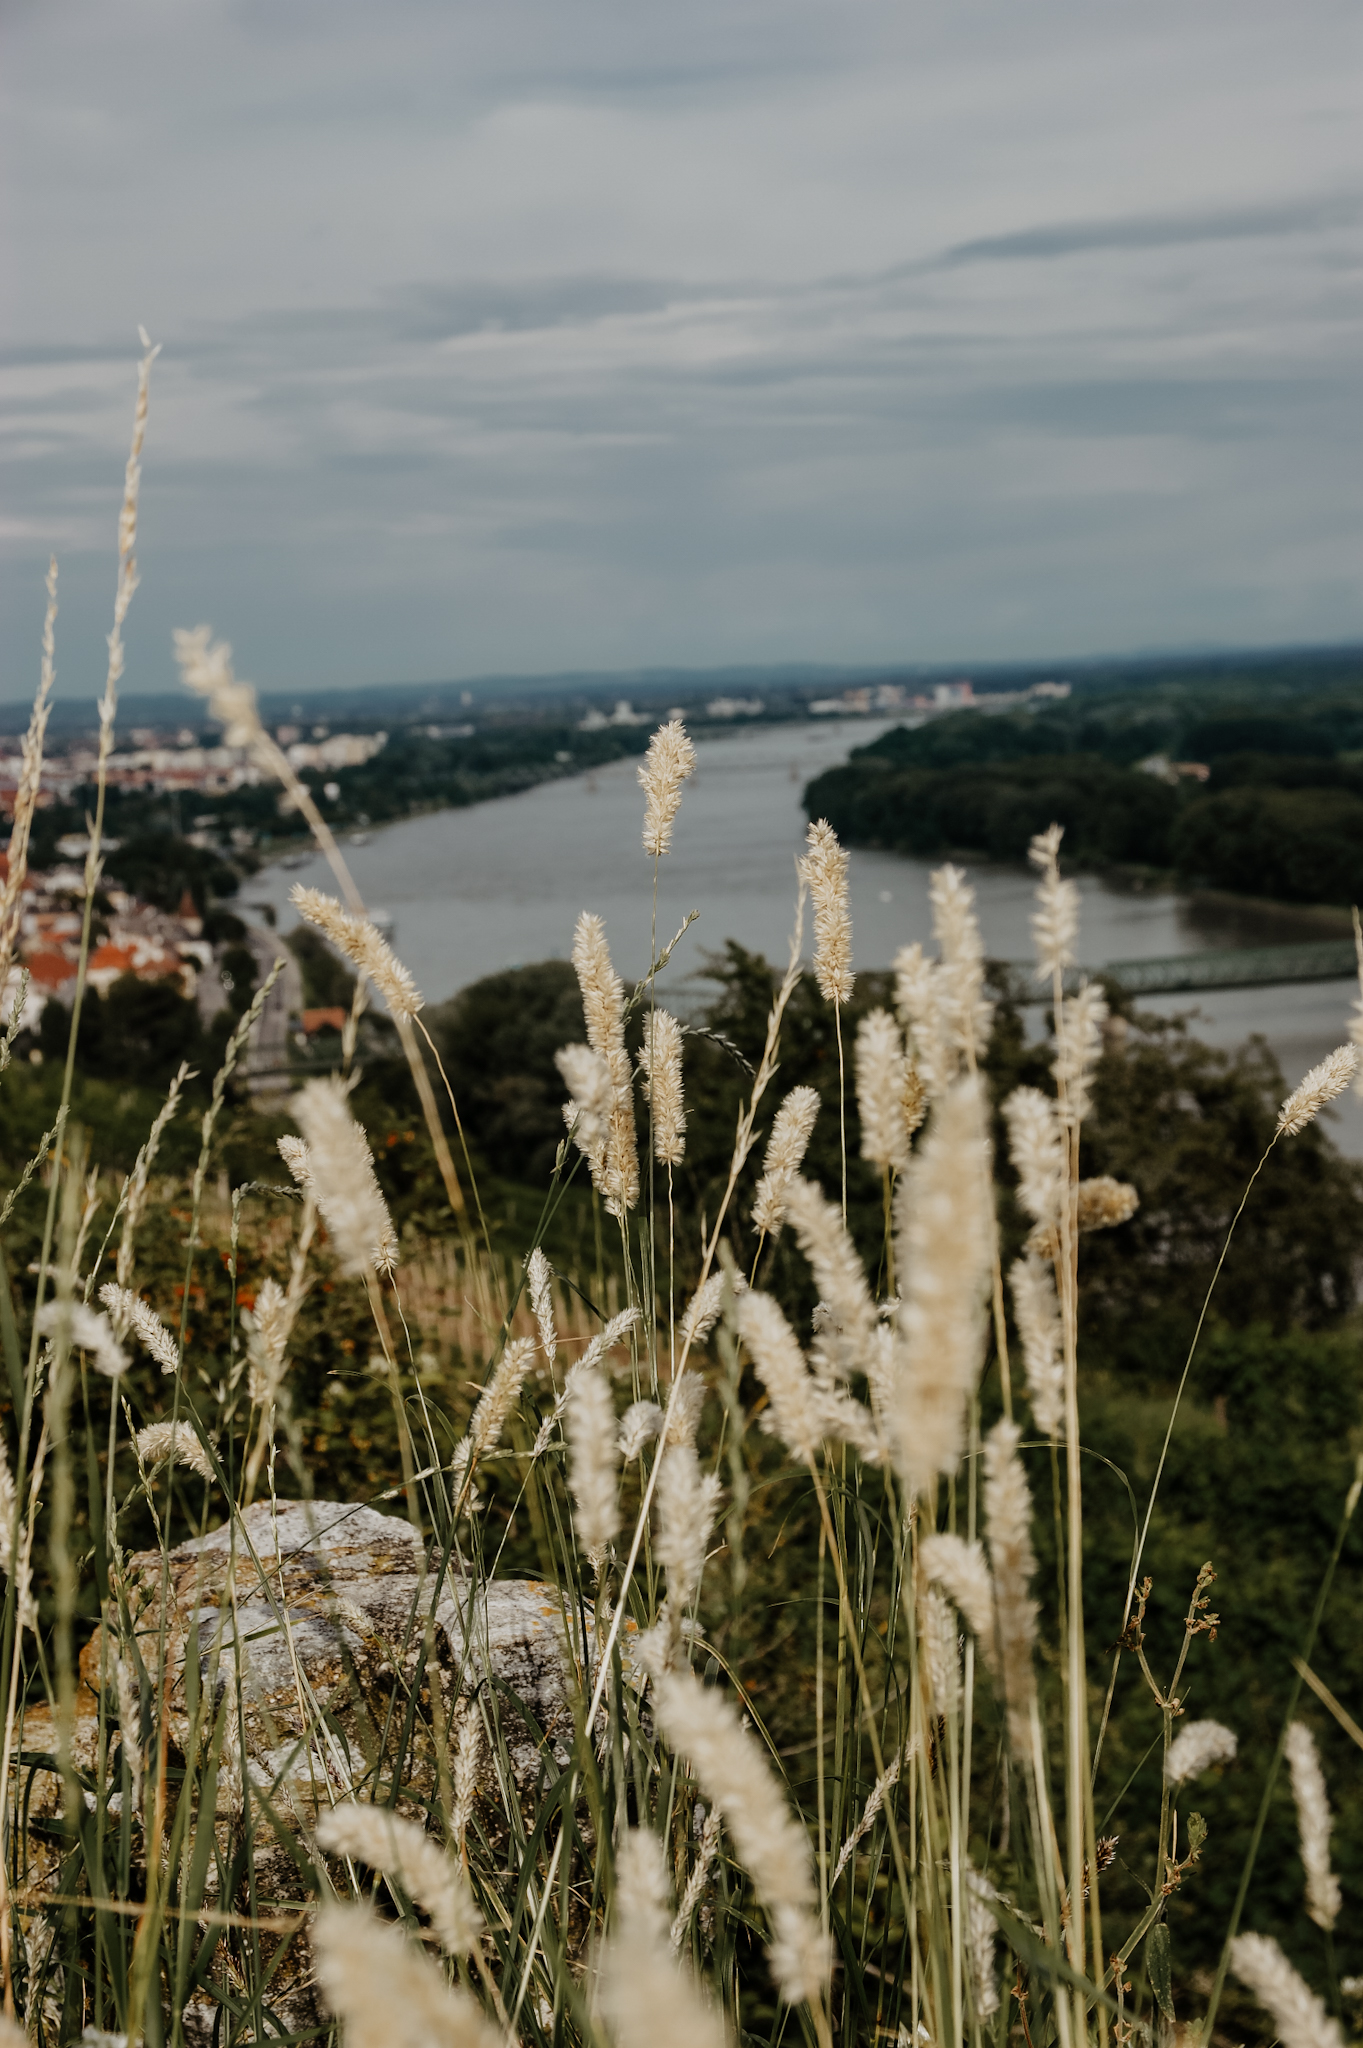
[[554, 336]]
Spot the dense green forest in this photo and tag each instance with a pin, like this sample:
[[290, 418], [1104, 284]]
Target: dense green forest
[[1279, 813]]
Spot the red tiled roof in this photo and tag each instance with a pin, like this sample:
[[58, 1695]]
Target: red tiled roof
[[50, 970]]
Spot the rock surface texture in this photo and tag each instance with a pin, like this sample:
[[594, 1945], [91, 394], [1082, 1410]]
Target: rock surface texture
[[306, 1653]]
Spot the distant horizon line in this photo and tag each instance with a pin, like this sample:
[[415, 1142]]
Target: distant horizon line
[[661, 677]]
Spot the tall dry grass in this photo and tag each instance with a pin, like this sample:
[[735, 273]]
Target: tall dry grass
[[649, 1877]]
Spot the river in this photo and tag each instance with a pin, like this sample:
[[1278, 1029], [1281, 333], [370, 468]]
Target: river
[[501, 883]]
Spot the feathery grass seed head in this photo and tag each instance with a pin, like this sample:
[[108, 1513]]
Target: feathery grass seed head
[[362, 944], [961, 1569], [268, 1325], [400, 1849], [1078, 1042], [882, 1080], [1008, 1513], [1055, 921], [1104, 1202], [824, 872], [981, 1936], [603, 1008], [922, 1001], [84, 1330], [945, 1248], [1197, 1746], [501, 1394], [648, 1999], [128, 1311], [1314, 1824], [681, 1421], [966, 1015], [173, 1443], [791, 1130], [344, 1182], [1299, 2016], [206, 668], [793, 1413], [29, 786], [592, 1463], [640, 1423], [1036, 1147], [387, 1992], [669, 760], [587, 1112], [838, 1274], [941, 1641], [1039, 1326], [686, 1502], [1324, 1082], [660, 1063], [732, 1770], [702, 1311], [539, 1286], [294, 1154]]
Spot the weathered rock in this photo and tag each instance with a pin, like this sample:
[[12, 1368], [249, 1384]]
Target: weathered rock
[[314, 1652]]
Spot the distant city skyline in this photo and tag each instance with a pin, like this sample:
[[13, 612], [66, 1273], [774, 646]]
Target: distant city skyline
[[518, 341]]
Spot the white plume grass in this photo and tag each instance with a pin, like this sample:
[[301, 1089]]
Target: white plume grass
[[128, 1311], [1008, 1519], [173, 1443], [84, 1330], [1078, 1042], [362, 944], [1055, 921], [1299, 2016], [702, 1726], [1198, 1746], [593, 1463], [344, 1182], [824, 871], [649, 2000], [883, 1092], [269, 1326], [945, 1250], [603, 1007], [660, 1064], [838, 1273], [1314, 1825], [791, 1130], [966, 1016], [962, 1571], [1328, 1079], [1036, 1147], [1037, 1309], [389, 1995], [587, 1112], [669, 760], [539, 1286], [402, 1850]]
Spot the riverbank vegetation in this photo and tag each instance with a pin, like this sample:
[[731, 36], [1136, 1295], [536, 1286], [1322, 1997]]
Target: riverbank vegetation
[[1261, 804]]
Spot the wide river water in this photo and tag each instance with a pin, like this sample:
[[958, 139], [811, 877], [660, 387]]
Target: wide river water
[[502, 883]]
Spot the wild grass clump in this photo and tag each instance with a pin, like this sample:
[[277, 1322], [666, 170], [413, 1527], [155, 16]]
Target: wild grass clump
[[315, 1768]]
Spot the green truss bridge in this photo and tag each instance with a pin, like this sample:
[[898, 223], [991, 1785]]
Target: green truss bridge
[[1242, 967]]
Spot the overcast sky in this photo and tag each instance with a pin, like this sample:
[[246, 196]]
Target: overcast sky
[[545, 334]]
